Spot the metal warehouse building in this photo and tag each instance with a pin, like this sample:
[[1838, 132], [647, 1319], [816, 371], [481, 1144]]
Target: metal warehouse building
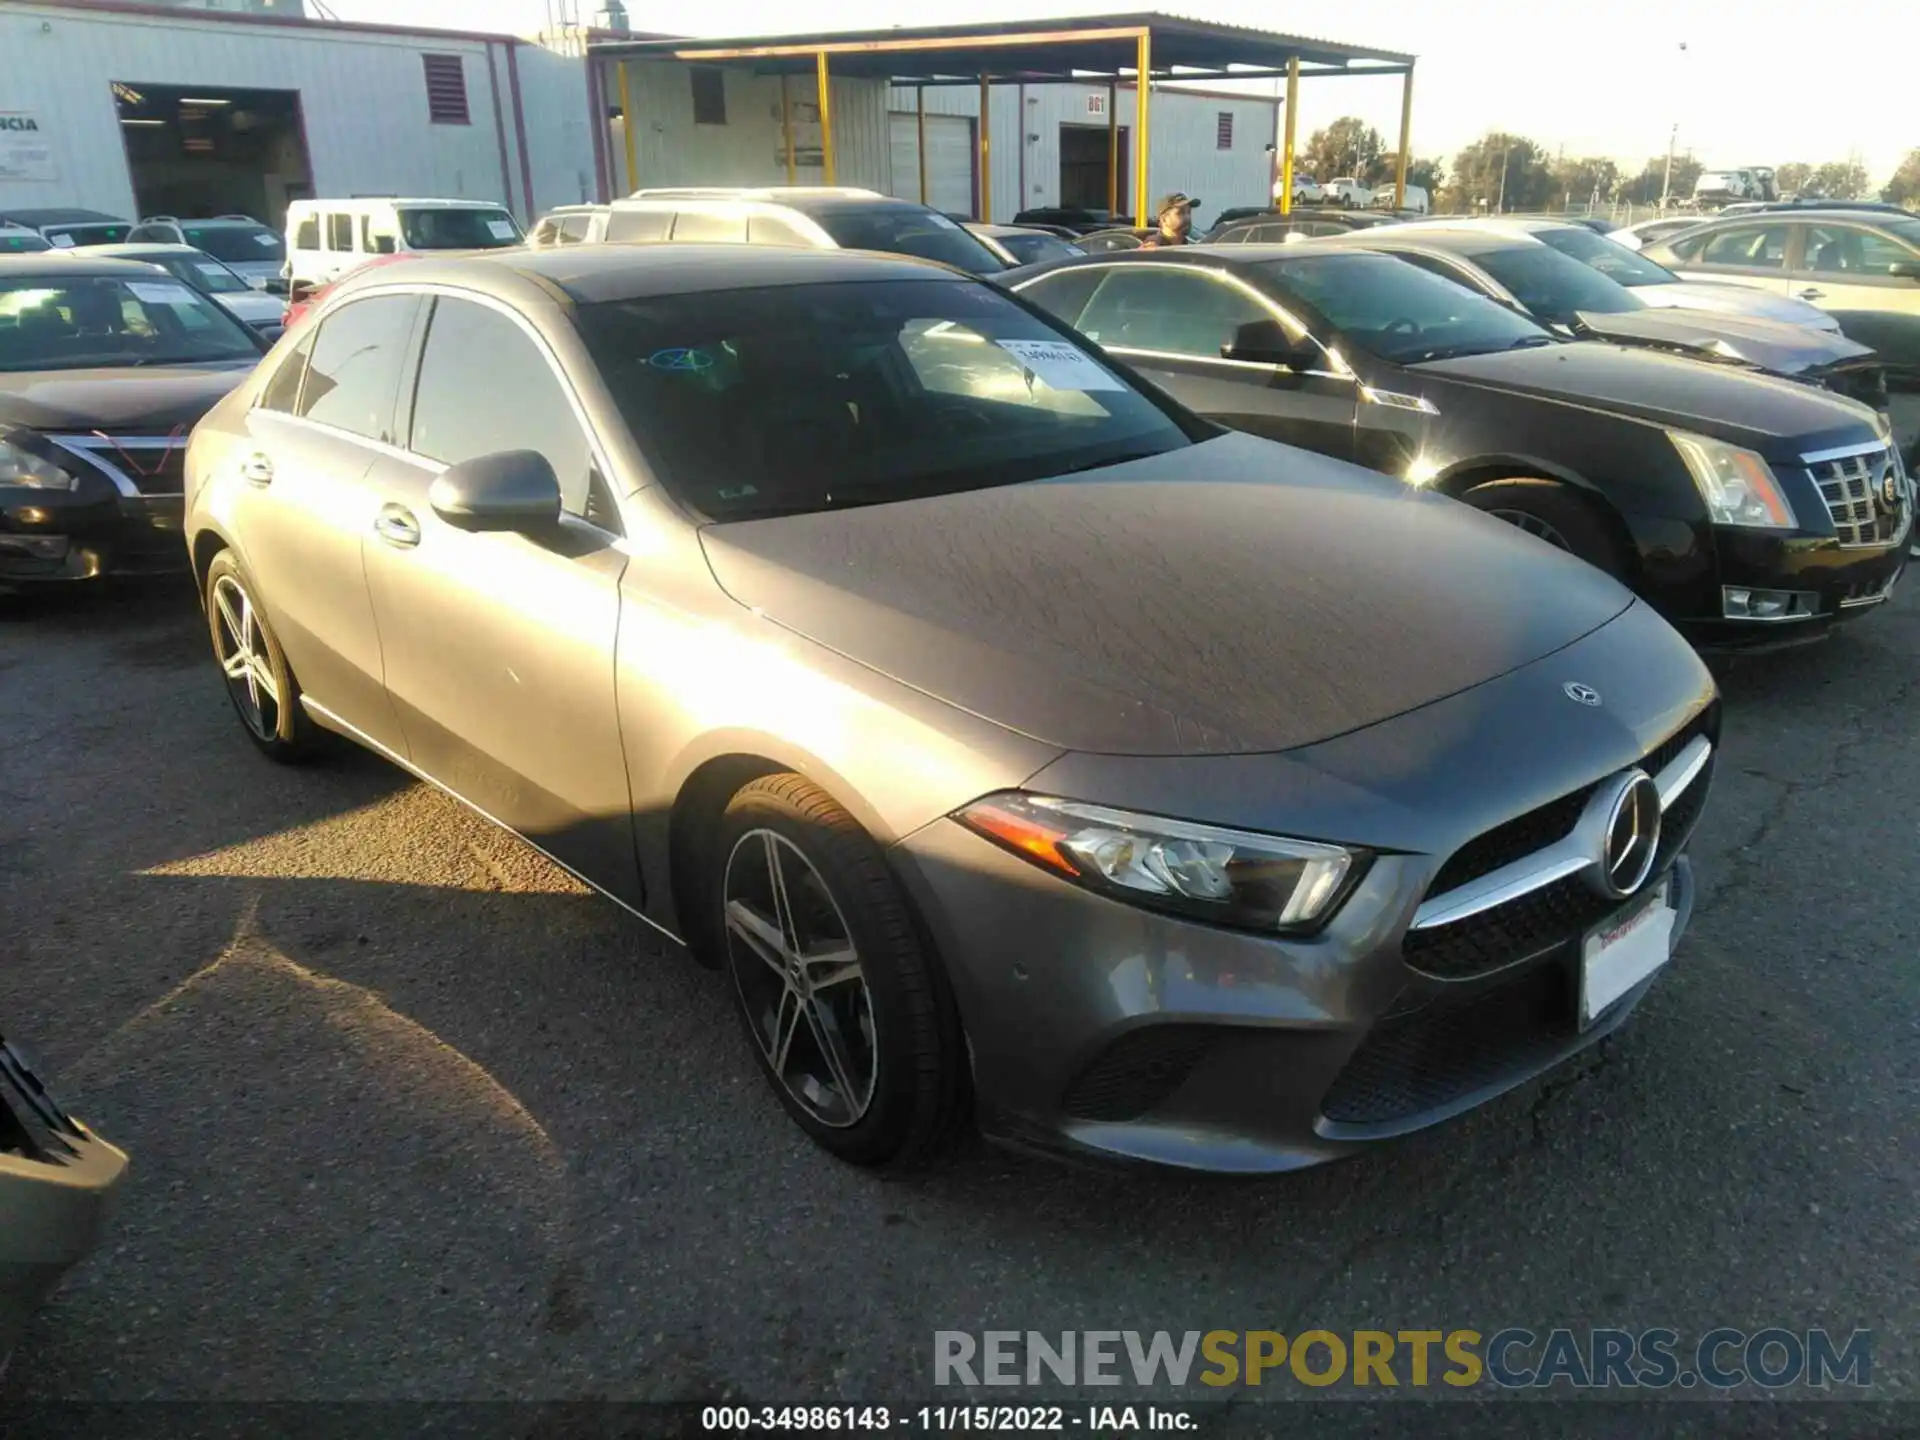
[[140, 108], [136, 109]]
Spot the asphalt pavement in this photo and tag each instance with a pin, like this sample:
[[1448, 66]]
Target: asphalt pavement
[[414, 1116]]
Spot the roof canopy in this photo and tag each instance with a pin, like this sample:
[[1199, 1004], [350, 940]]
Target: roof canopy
[[1087, 47]]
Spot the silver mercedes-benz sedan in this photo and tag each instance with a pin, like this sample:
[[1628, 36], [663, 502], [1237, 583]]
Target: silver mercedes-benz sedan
[[1022, 746]]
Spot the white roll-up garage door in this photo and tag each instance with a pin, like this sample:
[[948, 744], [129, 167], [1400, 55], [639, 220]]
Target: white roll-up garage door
[[949, 161]]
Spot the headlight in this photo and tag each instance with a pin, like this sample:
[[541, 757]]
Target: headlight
[[1737, 484], [1228, 877], [28, 471]]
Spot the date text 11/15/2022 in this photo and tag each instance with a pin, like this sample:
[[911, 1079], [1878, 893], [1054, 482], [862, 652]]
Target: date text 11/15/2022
[[941, 1419]]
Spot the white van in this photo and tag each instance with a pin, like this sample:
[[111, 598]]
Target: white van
[[328, 238]]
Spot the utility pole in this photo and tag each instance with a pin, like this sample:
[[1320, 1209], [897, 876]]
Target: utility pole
[[1506, 149], [1666, 186]]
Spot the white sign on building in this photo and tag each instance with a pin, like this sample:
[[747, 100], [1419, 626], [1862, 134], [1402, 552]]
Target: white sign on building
[[25, 151]]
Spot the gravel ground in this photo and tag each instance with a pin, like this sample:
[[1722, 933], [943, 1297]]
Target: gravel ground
[[414, 1117]]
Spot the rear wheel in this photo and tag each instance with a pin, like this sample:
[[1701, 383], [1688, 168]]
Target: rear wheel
[[1550, 511], [260, 682], [846, 1011]]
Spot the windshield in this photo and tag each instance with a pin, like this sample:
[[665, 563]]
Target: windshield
[[905, 231], [1398, 311], [205, 274], [67, 237], [1032, 249], [1552, 285], [21, 242], [1907, 229], [50, 322], [1609, 257], [485, 228], [236, 243], [810, 397]]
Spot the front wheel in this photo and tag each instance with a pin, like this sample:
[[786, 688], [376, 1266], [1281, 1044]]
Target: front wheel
[[848, 1015], [1550, 511], [260, 682]]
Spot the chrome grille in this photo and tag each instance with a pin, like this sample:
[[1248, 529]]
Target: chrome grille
[[1854, 489], [138, 465]]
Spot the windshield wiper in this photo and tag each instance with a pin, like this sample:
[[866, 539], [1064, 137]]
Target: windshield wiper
[[1102, 463], [1528, 342]]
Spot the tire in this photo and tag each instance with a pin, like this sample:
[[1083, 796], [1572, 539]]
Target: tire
[[891, 1031], [260, 683], [1555, 513]]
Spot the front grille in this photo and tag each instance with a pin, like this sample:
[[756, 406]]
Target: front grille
[[150, 464], [31, 1124], [1136, 1072], [1852, 486], [1520, 837], [1554, 915], [1434, 1057]]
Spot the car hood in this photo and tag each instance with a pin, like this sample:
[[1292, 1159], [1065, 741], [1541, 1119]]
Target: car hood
[[160, 398], [1235, 596], [1764, 344], [1749, 408], [1730, 299]]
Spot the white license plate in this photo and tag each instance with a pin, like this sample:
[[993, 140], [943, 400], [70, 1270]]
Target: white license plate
[[1623, 951]]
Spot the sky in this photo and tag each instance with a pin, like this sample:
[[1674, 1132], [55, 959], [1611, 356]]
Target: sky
[[1754, 84]]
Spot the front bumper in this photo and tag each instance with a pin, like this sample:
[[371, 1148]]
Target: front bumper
[[1838, 585], [53, 538], [57, 1183]]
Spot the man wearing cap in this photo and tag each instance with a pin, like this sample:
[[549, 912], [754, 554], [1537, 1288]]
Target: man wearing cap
[[1173, 214]]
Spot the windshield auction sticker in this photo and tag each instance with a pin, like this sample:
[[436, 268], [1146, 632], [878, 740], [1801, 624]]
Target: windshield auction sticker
[[1060, 365]]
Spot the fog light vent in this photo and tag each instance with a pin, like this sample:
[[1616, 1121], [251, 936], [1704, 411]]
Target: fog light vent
[[1136, 1072], [1740, 602]]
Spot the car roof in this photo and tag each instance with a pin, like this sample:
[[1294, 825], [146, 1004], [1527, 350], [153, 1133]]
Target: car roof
[[817, 200], [981, 227], [33, 219], [1449, 240], [69, 262], [441, 203], [1809, 212], [147, 247], [590, 274]]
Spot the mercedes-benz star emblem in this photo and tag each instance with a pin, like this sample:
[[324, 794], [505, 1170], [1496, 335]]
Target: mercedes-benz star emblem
[[1630, 837], [1890, 489], [1581, 694]]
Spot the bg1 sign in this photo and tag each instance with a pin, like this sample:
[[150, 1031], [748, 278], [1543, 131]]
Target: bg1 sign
[[25, 151]]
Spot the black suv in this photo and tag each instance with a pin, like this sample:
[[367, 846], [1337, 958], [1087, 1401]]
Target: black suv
[[1748, 510]]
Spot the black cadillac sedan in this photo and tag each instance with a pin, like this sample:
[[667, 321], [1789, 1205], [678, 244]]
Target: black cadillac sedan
[[1749, 510], [105, 366]]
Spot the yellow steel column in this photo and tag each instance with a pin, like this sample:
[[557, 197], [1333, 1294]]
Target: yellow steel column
[[920, 136], [1406, 139], [1113, 148], [1144, 63], [986, 150], [1286, 152], [786, 130], [626, 129], [826, 115]]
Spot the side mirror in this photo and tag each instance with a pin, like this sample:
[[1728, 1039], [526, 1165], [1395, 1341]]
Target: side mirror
[[301, 291], [274, 285], [511, 490], [1266, 342], [1905, 269]]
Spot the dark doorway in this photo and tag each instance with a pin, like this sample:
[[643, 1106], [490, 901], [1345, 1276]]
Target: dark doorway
[[1083, 167], [197, 151]]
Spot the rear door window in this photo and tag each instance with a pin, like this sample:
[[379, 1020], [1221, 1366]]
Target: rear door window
[[354, 375], [306, 235], [1747, 247], [340, 234], [1173, 312], [701, 226], [627, 227], [282, 395]]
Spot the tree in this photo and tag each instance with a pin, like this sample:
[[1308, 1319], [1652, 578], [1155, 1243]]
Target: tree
[[1500, 171], [1584, 180], [1349, 146], [1838, 180], [1791, 178], [1646, 187], [1427, 174], [1904, 187]]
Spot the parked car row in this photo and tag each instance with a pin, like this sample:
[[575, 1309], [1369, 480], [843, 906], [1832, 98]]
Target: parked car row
[[990, 617]]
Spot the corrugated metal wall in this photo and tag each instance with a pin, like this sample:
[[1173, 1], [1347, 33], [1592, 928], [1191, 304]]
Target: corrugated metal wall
[[1185, 154], [362, 99], [670, 149]]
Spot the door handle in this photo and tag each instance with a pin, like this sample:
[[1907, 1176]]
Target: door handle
[[397, 526], [1812, 292], [257, 469]]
